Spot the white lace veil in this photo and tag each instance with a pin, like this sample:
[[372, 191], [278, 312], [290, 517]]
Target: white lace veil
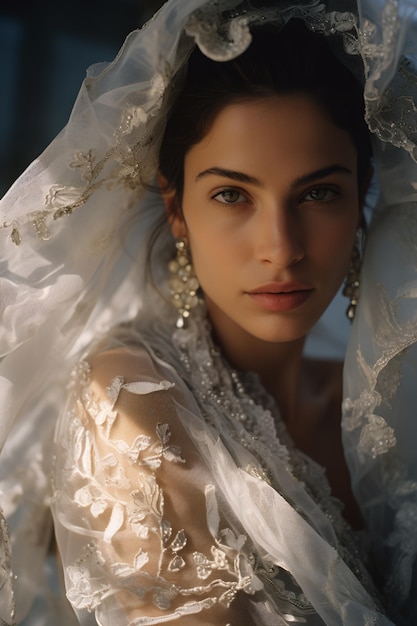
[[74, 229]]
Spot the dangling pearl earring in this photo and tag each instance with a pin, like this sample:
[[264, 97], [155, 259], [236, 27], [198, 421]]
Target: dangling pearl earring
[[353, 280], [183, 283]]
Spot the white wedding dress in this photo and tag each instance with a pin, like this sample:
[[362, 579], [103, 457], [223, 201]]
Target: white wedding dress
[[174, 490], [154, 413]]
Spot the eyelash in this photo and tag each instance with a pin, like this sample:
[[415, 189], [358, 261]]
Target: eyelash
[[329, 192], [229, 190]]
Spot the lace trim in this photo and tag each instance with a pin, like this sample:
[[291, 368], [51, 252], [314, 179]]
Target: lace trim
[[223, 35], [8, 608], [241, 405], [374, 438], [129, 163], [92, 578], [222, 30]]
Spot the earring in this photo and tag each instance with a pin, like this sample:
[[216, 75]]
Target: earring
[[352, 284], [183, 283]]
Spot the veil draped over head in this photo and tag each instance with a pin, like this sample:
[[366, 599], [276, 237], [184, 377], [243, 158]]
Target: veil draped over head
[[74, 230]]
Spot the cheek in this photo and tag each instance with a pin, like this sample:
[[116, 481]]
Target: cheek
[[336, 251], [211, 254], [213, 237], [217, 257]]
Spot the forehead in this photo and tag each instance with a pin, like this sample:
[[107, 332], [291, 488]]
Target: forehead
[[285, 131]]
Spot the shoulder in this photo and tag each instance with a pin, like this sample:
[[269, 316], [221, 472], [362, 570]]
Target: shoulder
[[128, 389], [134, 362]]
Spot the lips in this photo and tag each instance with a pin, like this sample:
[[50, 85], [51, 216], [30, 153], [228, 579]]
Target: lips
[[276, 287], [281, 296]]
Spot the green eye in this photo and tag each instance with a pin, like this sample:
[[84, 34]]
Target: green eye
[[229, 196], [320, 194]]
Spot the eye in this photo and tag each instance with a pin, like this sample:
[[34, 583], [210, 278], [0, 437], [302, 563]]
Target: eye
[[320, 194], [229, 196]]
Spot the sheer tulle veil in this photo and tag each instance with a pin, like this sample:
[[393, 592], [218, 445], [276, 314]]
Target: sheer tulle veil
[[74, 230]]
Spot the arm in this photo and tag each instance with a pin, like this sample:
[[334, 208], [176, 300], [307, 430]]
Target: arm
[[136, 515]]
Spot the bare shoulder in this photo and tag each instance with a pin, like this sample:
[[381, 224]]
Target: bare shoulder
[[128, 381], [131, 363], [145, 402]]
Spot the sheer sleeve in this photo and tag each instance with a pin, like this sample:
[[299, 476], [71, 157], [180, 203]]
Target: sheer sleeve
[[136, 515]]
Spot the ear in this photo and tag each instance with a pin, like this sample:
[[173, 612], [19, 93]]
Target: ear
[[172, 207]]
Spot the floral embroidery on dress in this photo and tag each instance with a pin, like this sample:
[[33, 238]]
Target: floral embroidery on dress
[[108, 492], [237, 403], [129, 162], [376, 436], [106, 489], [8, 610], [374, 417]]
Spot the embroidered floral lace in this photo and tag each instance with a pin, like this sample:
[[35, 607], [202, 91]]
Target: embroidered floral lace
[[74, 231], [147, 533]]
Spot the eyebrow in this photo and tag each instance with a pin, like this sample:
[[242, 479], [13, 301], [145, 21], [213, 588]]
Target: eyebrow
[[241, 177], [238, 176], [322, 173]]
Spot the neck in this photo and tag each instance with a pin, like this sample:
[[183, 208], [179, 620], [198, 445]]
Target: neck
[[278, 365]]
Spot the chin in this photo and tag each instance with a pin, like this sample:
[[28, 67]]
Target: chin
[[284, 333]]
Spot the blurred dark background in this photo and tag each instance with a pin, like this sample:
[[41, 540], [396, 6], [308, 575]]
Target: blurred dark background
[[45, 49]]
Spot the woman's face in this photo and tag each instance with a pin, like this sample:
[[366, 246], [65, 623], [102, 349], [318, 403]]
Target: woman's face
[[270, 208]]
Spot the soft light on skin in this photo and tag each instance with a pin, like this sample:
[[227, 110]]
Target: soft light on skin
[[270, 196], [271, 201]]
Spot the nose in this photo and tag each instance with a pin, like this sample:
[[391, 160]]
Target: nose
[[279, 238]]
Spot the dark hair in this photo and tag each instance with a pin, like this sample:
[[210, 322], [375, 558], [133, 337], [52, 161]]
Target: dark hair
[[294, 60]]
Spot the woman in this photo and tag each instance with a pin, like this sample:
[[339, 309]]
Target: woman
[[185, 483]]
